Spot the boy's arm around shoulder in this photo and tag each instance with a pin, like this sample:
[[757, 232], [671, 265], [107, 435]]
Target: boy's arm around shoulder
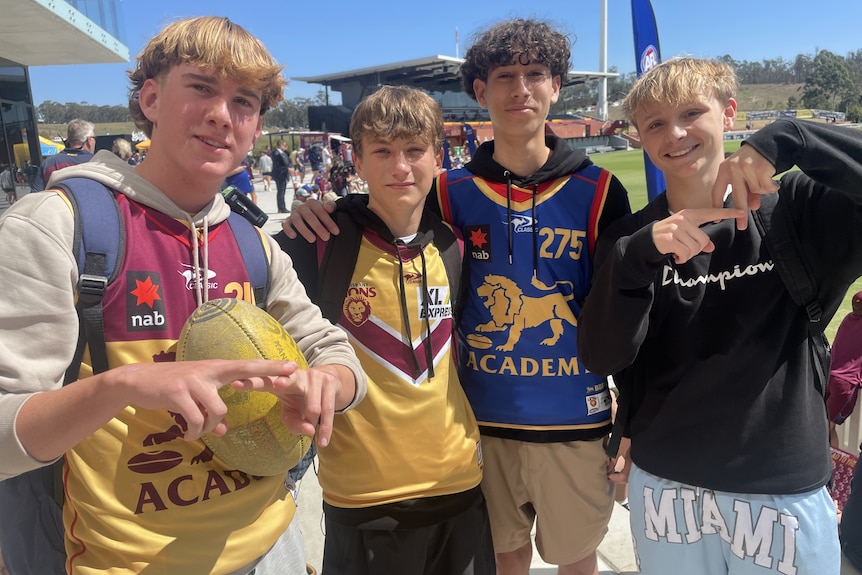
[[614, 319]]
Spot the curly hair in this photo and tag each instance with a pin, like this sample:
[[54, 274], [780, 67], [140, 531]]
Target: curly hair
[[216, 43], [517, 41]]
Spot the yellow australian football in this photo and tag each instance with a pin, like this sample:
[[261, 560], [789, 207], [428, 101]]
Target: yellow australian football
[[256, 442]]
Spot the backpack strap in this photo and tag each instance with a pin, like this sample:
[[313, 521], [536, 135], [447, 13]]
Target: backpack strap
[[253, 254], [775, 224], [340, 251], [98, 245]]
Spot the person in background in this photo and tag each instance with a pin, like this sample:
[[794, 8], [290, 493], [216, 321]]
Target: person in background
[[845, 373], [122, 148], [280, 173], [842, 392], [240, 179], [7, 184], [80, 145], [264, 164]]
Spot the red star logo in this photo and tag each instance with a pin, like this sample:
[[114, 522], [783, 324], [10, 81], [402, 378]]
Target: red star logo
[[478, 238], [147, 292]]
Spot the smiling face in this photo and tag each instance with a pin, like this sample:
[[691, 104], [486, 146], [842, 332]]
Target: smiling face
[[203, 127], [686, 140], [518, 98]]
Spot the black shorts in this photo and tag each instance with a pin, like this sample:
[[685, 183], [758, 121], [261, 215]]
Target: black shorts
[[460, 545]]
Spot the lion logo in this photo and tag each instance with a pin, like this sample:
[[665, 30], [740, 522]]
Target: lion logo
[[512, 310], [357, 310]]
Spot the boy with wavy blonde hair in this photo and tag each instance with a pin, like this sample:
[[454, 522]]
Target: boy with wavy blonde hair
[[142, 490], [720, 371]]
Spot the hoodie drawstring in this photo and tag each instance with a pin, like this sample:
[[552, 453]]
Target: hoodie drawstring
[[201, 273], [429, 357], [535, 227], [508, 176]]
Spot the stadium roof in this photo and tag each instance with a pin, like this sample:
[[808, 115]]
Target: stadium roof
[[433, 74], [39, 33]]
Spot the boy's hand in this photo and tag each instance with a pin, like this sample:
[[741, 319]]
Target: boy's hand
[[309, 397], [749, 175], [311, 220], [190, 388], [619, 467], [680, 234]]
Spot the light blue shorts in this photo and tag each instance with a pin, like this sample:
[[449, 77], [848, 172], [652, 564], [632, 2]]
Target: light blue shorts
[[679, 528]]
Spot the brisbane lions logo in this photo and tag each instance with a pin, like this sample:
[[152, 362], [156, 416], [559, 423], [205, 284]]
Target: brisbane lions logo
[[513, 311], [356, 309]]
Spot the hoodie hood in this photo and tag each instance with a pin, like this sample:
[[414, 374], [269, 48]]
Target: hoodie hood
[[108, 169], [356, 207], [563, 161]]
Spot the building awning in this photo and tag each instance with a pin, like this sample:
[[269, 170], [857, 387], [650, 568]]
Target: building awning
[[34, 33]]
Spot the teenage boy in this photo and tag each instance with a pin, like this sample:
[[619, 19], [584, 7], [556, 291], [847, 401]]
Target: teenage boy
[[199, 91], [729, 440], [530, 209], [401, 478]]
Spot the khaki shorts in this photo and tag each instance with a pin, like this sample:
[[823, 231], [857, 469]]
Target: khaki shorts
[[563, 487]]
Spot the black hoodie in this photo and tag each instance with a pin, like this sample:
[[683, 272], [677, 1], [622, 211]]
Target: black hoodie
[[715, 351], [542, 223]]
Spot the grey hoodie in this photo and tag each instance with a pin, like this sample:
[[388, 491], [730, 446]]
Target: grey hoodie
[[39, 321]]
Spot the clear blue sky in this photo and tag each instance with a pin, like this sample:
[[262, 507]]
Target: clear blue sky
[[313, 37]]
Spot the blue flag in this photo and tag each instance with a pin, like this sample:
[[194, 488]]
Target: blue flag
[[447, 160], [647, 55], [471, 139]]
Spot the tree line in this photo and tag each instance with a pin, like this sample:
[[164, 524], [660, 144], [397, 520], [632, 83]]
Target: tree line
[[829, 82]]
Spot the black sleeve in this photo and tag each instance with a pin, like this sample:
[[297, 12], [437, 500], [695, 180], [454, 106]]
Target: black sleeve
[[615, 318], [304, 256], [830, 155]]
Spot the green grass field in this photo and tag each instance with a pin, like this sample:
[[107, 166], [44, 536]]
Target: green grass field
[[628, 167]]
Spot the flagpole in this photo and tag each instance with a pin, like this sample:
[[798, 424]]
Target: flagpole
[[602, 104]]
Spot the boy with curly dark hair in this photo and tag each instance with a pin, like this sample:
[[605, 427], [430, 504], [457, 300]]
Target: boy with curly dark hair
[[530, 209]]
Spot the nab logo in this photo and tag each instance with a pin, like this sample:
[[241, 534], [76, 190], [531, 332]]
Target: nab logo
[[145, 308], [649, 59], [479, 238]]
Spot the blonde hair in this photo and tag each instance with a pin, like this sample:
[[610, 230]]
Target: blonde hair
[[677, 81], [208, 42], [397, 112], [122, 148]]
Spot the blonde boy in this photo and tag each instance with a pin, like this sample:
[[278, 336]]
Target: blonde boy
[[717, 363], [199, 91]]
